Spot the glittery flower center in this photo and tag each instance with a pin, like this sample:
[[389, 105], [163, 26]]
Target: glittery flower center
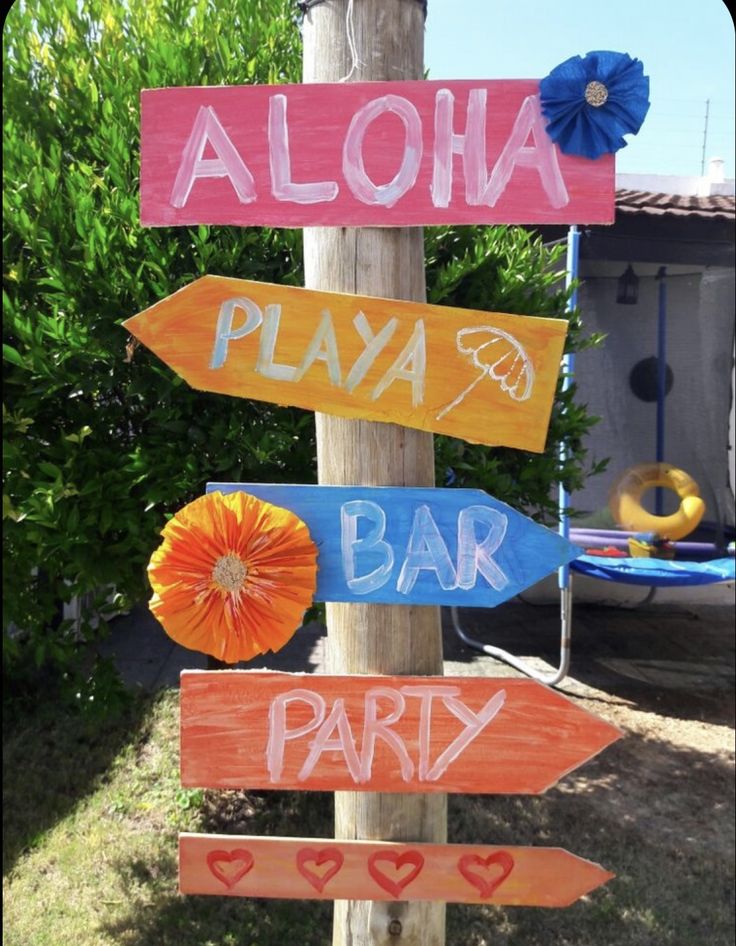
[[229, 573], [596, 94]]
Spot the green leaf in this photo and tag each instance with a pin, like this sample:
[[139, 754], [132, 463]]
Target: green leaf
[[9, 511], [106, 520], [11, 355], [50, 469]]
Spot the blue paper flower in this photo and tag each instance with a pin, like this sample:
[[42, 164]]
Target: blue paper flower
[[591, 102]]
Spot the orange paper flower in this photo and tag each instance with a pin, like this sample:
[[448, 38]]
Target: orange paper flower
[[233, 576]]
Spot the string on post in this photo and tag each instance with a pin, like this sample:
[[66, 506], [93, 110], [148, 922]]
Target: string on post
[[350, 33], [305, 6]]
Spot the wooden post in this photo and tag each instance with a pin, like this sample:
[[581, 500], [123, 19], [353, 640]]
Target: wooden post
[[388, 36]]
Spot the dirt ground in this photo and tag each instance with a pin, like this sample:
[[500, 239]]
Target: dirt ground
[[656, 808], [663, 674]]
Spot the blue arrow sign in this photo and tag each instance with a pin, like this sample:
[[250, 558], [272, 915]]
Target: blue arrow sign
[[413, 545]]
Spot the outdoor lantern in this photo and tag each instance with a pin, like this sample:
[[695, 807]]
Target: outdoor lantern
[[628, 287]]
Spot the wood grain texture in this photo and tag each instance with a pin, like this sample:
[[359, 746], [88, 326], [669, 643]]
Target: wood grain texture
[[374, 153], [486, 377], [376, 638], [321, 869], [412, 545], [250, 729]]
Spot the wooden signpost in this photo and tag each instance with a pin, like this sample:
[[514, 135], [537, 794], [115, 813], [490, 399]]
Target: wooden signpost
[[379, 154], [314, 869], [412, 545], [362, 154], [380, 733], [487, 377]]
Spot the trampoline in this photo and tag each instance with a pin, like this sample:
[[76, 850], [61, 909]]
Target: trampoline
[[604, 557]]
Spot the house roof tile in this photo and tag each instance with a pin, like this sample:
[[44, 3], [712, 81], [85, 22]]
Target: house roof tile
[[657, 205]]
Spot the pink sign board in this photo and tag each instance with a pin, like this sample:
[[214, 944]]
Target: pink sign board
[[362, 154]]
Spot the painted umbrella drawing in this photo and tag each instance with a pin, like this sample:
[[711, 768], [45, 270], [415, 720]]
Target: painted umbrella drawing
[[498, 356]]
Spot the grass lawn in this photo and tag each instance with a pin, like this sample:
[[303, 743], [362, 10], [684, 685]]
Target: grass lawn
[[92, 813]]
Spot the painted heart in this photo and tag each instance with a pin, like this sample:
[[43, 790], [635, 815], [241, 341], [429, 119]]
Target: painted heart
[[230, 866], [396, 878], [319, 866], [486, 874]]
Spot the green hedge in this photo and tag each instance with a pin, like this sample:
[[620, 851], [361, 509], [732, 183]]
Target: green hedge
[[101, 441]]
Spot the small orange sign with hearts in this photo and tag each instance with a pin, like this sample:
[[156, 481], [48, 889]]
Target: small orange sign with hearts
[[389, 869], [229, 866], [309, 869], [319, 866], [486, 873]]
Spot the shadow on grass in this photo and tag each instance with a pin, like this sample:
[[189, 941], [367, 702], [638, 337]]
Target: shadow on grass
[[173, 920], [169, 919], [40, 786], [657, 815]]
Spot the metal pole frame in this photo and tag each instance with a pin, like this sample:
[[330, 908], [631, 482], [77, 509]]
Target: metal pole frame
[[661, 377], [564, 576]]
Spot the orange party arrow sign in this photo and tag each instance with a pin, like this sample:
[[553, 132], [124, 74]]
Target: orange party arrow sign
[[313, 869], [486, 377], [258, 729]]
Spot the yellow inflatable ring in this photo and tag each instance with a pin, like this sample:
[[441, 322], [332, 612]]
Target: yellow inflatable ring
[[626, 508]]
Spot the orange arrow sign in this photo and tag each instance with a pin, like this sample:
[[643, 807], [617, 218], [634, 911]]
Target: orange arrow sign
[[485, 377], [313, 869], [248, 729]]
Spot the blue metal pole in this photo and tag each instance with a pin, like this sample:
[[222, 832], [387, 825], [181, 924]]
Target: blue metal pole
[[661, 377], [564, 576], [568, 371]]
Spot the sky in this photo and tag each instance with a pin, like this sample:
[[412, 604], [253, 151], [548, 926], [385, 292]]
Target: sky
[[686, 47]]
